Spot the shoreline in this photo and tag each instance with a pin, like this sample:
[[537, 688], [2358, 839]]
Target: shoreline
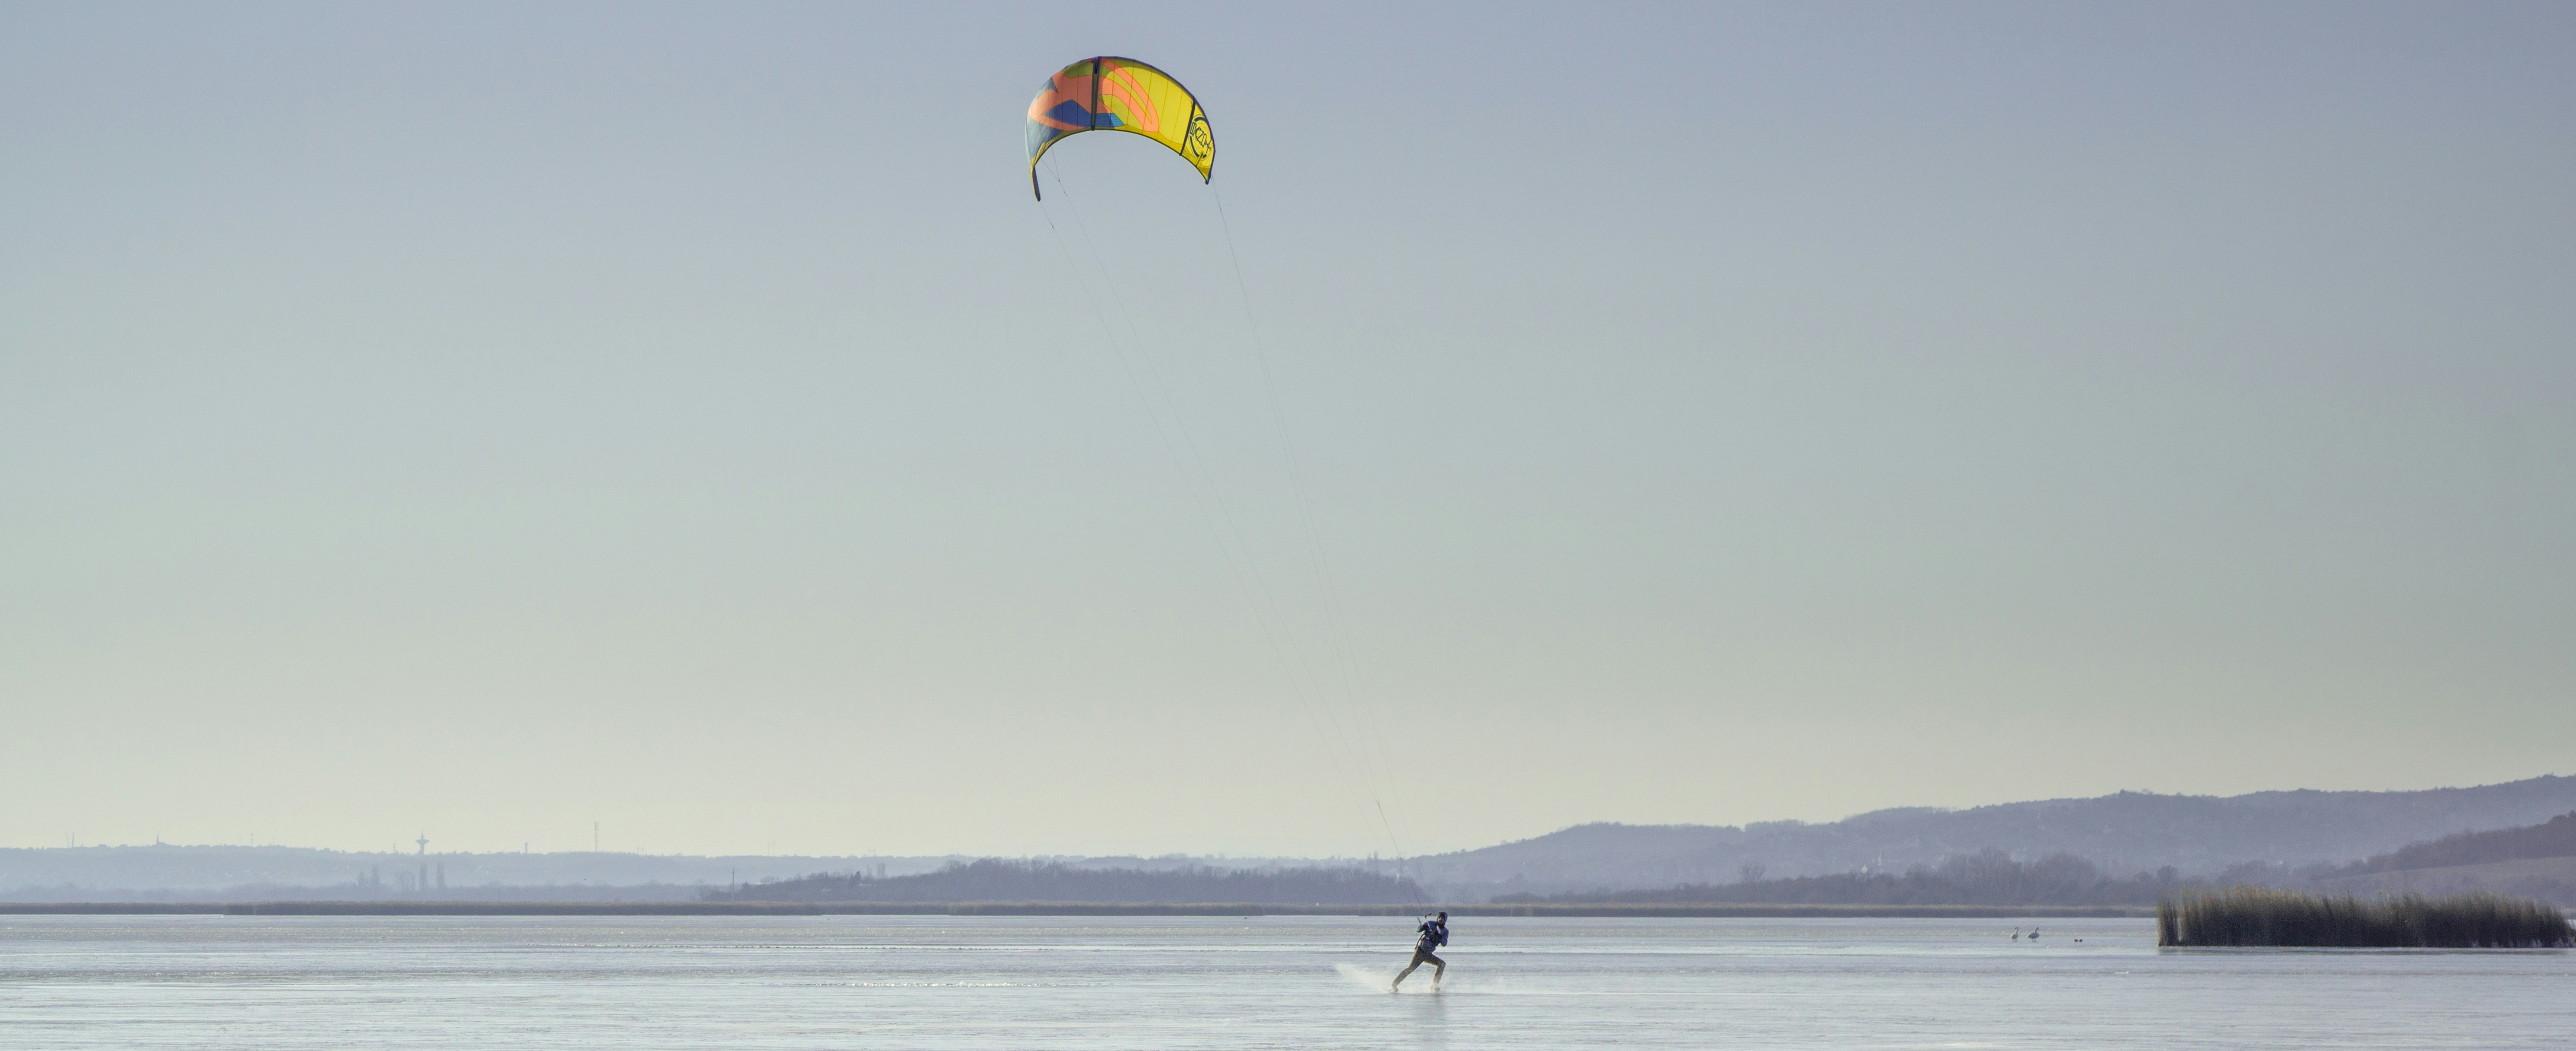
[[1026, 908]]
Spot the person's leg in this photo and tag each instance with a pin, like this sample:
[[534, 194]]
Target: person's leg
[[1418, 957], [1439, 967]]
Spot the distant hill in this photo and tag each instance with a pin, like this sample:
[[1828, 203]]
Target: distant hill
[[1988, 877], [2124, 833], [998, 880], [2549, 879], [2555, 838], [2536, 860]]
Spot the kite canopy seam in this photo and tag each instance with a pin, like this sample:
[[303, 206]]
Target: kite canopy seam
[[1108, 93]]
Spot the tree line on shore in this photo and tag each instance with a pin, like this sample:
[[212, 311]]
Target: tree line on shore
[[994, 879], [1985, 877]]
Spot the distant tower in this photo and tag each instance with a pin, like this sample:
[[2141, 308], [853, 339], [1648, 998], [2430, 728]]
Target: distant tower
[[424, 844]]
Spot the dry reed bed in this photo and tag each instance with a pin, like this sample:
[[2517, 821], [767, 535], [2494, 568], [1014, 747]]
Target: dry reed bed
[[2262, 916]]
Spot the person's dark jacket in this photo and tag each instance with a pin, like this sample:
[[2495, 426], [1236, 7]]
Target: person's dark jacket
[[1431, 935]]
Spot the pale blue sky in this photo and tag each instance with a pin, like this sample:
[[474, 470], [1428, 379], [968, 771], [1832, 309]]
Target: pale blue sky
[[489, 420]]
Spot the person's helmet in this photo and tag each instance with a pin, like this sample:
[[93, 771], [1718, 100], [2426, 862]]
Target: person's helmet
[[1444, 915]]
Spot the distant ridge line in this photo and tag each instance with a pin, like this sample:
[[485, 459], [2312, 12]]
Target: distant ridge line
[[2125, 833]]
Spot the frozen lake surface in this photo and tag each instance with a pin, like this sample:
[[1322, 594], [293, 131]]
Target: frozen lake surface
[[203, 982]]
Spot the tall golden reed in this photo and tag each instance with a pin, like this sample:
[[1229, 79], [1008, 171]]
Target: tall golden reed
[[2264, 916]]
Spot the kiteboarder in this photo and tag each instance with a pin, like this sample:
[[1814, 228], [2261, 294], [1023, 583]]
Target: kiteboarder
[[1432, 934]]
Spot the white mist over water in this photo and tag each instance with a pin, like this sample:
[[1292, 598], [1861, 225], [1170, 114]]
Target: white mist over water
[[1381, 979], [73, 983], [1367, 977]]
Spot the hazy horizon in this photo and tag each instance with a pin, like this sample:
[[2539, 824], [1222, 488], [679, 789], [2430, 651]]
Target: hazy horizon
[[529, 846], [489, 420]]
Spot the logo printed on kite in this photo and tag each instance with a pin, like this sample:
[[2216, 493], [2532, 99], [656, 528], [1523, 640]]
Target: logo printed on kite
[[1199, 146]]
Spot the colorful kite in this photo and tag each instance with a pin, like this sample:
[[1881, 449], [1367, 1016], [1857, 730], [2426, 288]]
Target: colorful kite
[[1120, 94]]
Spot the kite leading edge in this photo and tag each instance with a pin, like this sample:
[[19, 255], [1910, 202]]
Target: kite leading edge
[[1108, 93]]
